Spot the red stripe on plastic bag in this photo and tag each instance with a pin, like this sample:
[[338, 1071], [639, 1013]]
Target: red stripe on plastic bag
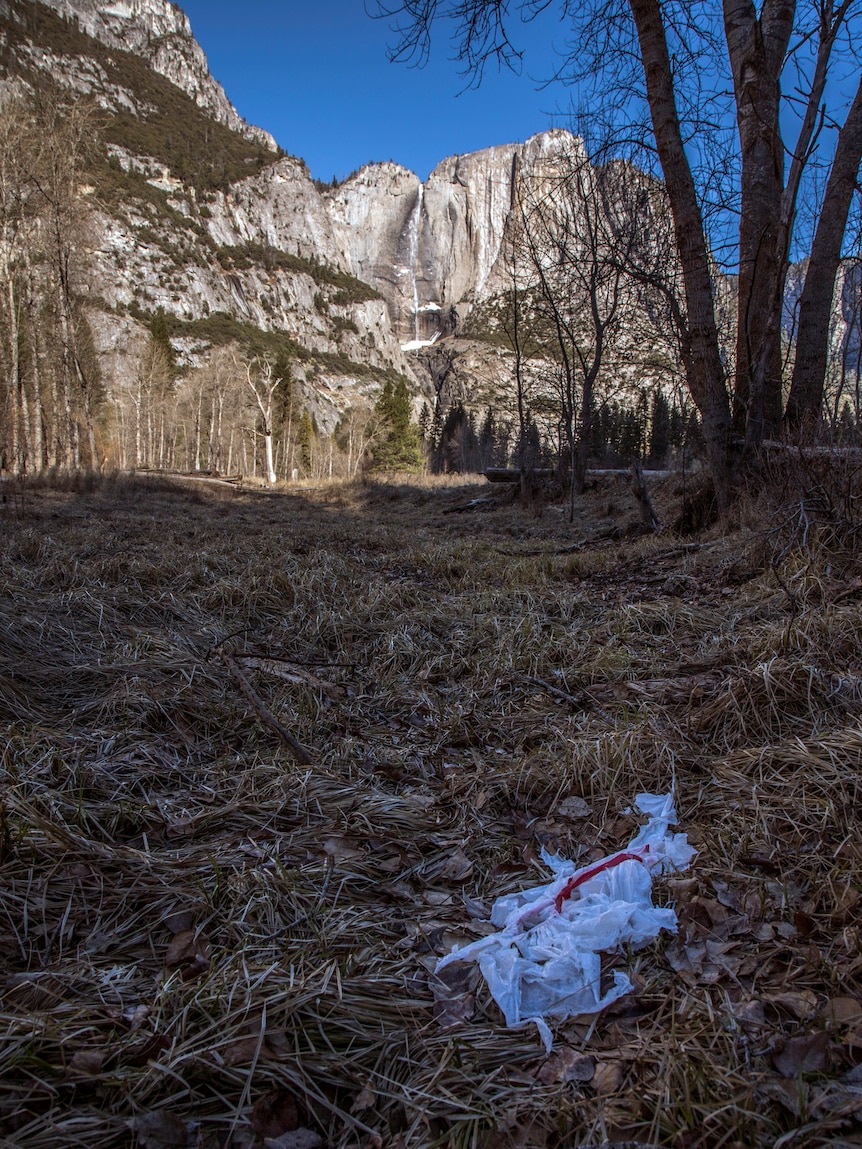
[[585, 875]]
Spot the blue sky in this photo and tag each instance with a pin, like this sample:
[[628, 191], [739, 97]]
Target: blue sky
[[315, 74]]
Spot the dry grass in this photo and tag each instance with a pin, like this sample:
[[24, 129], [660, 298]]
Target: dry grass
[[197, 934]]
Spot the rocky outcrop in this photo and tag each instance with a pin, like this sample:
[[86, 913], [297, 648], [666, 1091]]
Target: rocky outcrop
[[160, 32], [354, 281], [434, 250]]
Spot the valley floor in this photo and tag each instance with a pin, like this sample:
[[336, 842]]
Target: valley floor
[[206, 941]]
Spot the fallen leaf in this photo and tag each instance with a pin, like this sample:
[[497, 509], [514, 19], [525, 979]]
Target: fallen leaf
[[161, 1130], [607, 1078], [476, 909], [749, 1014], [342, 849], [845, 909], [804, 924], [147, 1050], [456, 868], [793, 1095], [786, 930], [449, 1014], [453, 980], [189, 952], [843, 1010], [802, 1055], [574, 808], [178, 920], [802, 1005], [567, 1065], [364, 1099], [87, 1061], [244, 1050], [274, 1114], [296, 1139]]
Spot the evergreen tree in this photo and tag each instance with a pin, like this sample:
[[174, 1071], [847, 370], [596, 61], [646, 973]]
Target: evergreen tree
[[528, 450], [425, 422], [306, 440], [677, 426], [488, 440], [398, 448], [162, 340], [659, 436], [459, 444]]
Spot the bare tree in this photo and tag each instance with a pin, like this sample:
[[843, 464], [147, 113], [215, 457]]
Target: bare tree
[[667, 56], [43, 262], [263, 383]]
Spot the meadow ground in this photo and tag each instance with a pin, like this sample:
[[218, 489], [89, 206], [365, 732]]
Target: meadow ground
[[206, 941]]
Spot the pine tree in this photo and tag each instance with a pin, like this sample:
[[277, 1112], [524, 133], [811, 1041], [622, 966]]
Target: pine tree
[[398, 448], [425, 422], [488, 439], [306, 439], [659, 436]]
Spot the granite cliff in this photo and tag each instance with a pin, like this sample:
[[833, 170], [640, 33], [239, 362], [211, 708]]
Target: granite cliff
[[199, 215]]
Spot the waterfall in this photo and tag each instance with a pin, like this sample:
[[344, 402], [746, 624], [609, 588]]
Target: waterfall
[[413, 246]]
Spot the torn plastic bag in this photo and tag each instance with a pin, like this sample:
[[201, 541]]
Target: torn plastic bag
[[545, 960]]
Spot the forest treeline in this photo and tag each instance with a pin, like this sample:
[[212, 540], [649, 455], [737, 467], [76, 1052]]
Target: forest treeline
[[592, 319]]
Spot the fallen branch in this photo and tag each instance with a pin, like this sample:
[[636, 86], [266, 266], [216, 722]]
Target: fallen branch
[[290, 672], [473, 505], [649, 518], [299, 752], [579, 701]]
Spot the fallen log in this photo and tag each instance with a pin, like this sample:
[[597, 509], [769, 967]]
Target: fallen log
[[511, 475], [845, 454]]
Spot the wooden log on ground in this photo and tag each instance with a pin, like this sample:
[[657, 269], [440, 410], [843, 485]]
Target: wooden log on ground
[[842, 454], [512, 475], [639, 489]]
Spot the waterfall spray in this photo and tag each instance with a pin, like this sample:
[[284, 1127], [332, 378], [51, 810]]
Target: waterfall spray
[[413, 238]]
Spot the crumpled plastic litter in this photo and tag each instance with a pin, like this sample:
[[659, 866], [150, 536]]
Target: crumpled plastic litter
[[544, 962]]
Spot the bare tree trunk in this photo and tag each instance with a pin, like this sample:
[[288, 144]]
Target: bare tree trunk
[[706, 379], [15, 390], [218, 433], [270, 464], [815, 306], [757, 49], [38, 414], [198, 411], [211, 464], [137, 399], [26, 431]]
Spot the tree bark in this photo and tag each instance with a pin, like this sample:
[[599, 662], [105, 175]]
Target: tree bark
[[757, 48], [815, 305], [706, 379]]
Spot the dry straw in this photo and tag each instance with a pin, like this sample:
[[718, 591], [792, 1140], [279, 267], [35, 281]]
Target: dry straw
[[207, 941]]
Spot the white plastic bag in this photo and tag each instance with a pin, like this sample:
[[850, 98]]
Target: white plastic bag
[[545, 960]]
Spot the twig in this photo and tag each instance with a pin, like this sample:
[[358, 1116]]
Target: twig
[[299, 752], [575, 700]]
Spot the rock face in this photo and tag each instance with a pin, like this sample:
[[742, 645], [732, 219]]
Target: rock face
[[434, 250], [160, 32], [236, 242]]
